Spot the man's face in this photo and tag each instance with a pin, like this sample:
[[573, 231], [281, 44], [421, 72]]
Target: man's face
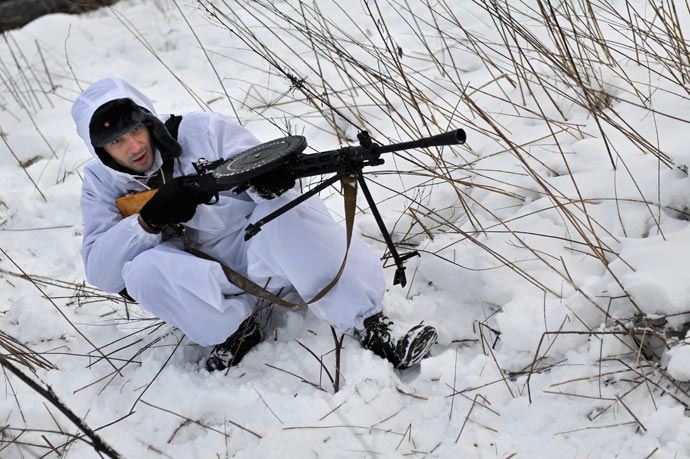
[[133, 150]]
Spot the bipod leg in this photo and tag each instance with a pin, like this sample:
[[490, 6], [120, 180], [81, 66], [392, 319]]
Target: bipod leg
[[399, 277], [254, 228]]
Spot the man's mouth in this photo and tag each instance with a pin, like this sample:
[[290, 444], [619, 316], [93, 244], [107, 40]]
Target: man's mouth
[[139, 158]]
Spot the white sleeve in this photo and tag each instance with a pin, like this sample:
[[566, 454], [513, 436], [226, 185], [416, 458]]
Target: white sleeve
[[109, 240]]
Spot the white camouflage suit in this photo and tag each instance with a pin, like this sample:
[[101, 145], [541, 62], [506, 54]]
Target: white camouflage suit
[[302, 248]]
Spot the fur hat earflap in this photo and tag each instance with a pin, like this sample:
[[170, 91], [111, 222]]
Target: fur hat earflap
[[165, 143]]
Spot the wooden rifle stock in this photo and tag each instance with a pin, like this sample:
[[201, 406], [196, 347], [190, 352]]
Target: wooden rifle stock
[[132, 203]]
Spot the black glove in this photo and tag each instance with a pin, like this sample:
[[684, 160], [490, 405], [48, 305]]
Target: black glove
[[272, 184], [175, 202]]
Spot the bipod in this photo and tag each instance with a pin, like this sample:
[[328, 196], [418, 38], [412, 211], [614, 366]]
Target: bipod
[[353, 169], [399, 277]]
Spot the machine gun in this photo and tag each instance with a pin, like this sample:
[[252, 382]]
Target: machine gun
[[272, 167]]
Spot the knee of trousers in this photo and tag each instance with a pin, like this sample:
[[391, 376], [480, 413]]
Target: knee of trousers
[[186, 292], [144, 273]]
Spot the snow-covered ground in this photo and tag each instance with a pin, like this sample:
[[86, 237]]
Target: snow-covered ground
[[554, 244]]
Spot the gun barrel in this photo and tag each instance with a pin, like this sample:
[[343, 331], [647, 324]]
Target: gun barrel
[[455, 137]]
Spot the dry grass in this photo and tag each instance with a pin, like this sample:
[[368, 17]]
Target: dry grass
[[553, 59]]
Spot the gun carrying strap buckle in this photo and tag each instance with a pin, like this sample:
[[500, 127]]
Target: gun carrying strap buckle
[[349, 185]]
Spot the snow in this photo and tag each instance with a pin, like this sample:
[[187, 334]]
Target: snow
[[679, 363], [531, 290]]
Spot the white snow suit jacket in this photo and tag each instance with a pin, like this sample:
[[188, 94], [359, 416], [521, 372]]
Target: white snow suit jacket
[[109, 240]]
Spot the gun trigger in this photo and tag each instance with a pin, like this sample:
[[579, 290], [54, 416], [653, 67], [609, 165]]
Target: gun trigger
[[215, 198]]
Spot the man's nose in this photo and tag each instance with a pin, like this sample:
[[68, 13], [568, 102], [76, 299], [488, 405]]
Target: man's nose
[[131, 143]]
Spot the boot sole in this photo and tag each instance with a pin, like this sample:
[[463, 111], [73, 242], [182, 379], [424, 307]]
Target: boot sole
[[421, 338]]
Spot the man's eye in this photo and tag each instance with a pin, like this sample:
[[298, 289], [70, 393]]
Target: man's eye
[[116, 141]]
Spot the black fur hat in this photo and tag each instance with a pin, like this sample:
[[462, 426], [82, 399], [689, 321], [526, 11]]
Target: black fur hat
[[114, 119], [119, 116]]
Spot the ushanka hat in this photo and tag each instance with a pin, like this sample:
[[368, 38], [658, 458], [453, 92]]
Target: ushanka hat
[[116, 118], [113, 120]]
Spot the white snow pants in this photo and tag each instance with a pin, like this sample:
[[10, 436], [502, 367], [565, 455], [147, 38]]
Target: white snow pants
[[302, 248]]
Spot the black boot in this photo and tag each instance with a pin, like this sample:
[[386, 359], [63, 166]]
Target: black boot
[[231, 351], [403, 352]]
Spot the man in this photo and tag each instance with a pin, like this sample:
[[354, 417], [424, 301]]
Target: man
[[139, 255]]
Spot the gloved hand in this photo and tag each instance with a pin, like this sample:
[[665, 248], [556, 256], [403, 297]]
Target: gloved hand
[[175, 202], [274, 183]]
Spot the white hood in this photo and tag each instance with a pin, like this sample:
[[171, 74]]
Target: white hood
[[98, 94]]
